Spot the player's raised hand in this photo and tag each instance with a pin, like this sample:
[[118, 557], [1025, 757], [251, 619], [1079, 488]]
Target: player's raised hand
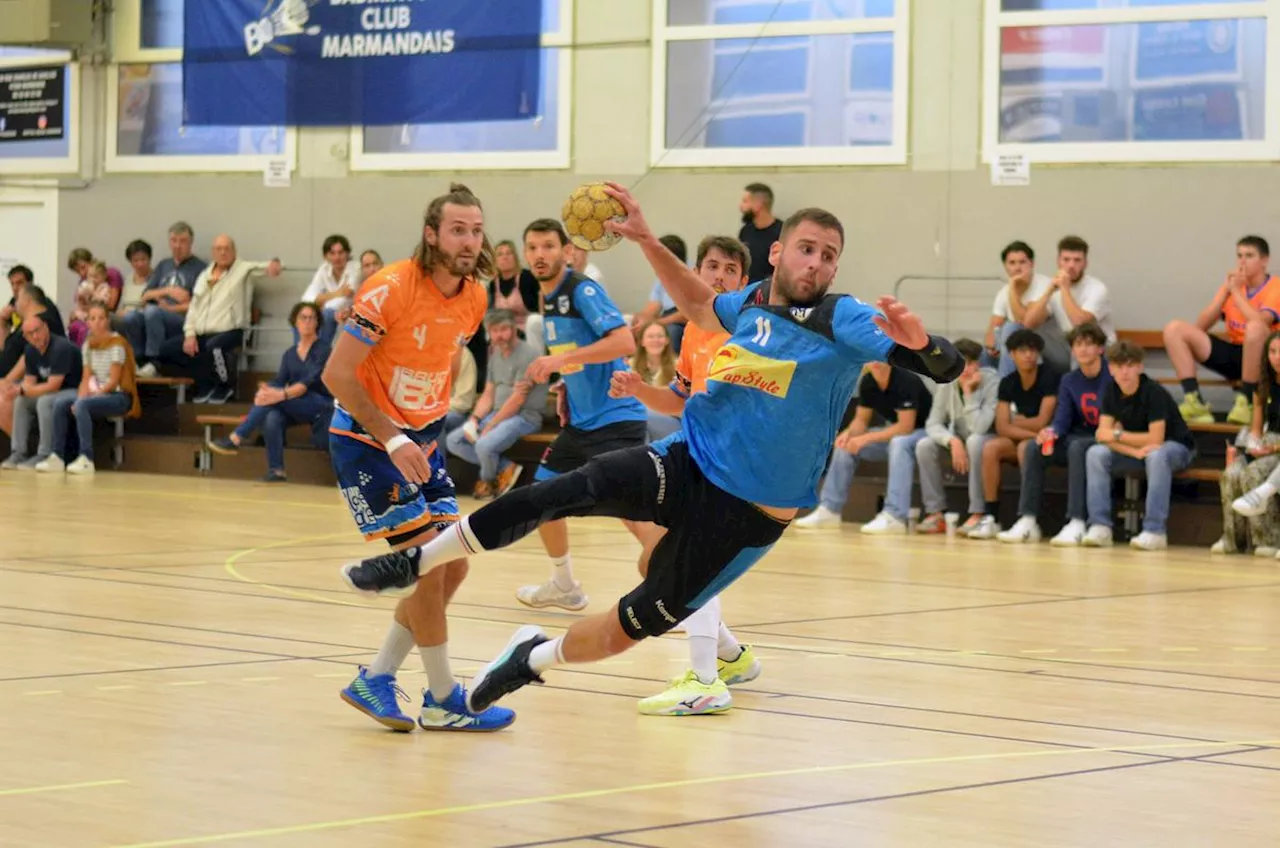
[[412, 463], [901, 324], [623, 384], [541, 369], [634, 226]]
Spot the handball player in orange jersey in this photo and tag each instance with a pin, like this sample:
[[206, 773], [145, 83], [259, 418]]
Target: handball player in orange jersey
[[391, 373]]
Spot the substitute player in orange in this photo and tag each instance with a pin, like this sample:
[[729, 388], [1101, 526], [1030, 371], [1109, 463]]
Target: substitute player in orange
[[718, 660], [1249, 304], [391, 374]]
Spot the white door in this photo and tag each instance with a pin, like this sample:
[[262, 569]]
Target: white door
[[29, 236]]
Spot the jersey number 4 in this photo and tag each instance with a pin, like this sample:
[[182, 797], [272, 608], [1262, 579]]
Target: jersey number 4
[[763, 330]]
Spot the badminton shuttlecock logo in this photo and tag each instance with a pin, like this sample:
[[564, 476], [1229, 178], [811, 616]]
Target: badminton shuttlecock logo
[[289, 18]]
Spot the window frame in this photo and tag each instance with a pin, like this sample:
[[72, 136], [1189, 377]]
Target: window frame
[[559, 158], [661, 156], [50, 165], [1266, 148]]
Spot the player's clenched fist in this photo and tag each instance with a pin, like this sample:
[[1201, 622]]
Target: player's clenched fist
[[623, 384]]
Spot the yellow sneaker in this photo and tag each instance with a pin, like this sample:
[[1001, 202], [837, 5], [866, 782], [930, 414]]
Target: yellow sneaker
[[744, 669], [1241, 412], [1194, 411], [689, 696]]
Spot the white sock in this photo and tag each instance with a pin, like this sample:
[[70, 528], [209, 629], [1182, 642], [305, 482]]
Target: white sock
[[562, 572], [728, 648], [701, 626], [395, 648], [435, 661], [546, 655], [457, 542]]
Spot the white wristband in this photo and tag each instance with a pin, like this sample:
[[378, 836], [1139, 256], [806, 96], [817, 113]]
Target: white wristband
[[396, 442]]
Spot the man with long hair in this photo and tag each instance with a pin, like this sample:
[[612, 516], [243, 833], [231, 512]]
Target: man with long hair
[[391, 374]]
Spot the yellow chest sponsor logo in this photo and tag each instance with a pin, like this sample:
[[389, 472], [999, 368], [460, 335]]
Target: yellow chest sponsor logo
[[739, 366], [557, 349]]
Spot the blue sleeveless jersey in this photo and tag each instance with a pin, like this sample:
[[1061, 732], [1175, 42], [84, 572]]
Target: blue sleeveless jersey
[[579, 313], [776, 392]]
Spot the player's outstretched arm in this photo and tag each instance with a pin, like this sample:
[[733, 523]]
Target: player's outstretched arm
[[914, 348], [692, 297]]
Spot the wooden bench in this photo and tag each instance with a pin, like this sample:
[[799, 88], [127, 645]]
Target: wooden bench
[[178, 384], [1215, 427], [209, 422]]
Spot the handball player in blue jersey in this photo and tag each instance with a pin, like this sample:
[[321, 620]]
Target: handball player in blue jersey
[[725, 487]]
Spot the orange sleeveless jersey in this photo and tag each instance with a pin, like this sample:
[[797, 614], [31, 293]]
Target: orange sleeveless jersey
[[697, 350], [414, 331], [1265, 299]]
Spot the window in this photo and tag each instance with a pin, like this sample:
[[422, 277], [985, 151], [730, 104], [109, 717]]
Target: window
[[1129, 80], [145, 130], [779, 82], [539, 142], [51, 155]]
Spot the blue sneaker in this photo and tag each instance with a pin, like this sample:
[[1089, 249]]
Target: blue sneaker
[[452, 714], [376, 697]]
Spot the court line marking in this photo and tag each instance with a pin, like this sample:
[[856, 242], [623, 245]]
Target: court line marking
[[486, 806], [61, 787]]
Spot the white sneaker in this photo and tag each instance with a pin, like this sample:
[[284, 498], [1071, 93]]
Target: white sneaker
[[884, 524], [1069, 536], [1099, 536], [82, 465], [1025, 531], [51, 464], [1252, 503], [1265, 551], [10, 464], [550, 595], [1219, 547], [1145, 541], [147, 371], [986, 528], [820, 517]]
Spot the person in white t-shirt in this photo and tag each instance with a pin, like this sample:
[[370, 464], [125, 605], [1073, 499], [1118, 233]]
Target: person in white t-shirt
[[580, 261], [333, 285], [1009, 309], [1073, 298]]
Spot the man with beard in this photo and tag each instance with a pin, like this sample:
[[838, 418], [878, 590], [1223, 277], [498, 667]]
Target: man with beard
[[726, 486], [587, 339], [391, 375], [1074, 298]]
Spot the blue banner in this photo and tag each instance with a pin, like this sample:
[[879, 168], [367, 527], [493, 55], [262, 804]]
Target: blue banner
[[360, 62], [1187, 50]]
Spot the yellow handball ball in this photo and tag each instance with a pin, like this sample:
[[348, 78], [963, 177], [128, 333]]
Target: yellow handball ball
[[585, 213]]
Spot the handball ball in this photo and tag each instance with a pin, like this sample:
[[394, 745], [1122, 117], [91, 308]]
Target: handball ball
[[585, 213]]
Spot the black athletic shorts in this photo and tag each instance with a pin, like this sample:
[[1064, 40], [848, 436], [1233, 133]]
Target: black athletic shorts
[[712, 537], [1225, 358], [572, 448]]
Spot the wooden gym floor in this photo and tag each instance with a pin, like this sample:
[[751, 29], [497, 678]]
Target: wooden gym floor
[[171, 652]]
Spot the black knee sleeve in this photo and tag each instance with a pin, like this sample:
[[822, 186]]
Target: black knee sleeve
[[519, 512]]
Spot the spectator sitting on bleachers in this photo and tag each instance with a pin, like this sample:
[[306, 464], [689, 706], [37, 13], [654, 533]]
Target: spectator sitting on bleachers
[[1025, 402], [1140, 431], [514, 288], [1073, 298], [904, 402], [106, 390], [660, 308], [216, 319], [333, 286], [465, 391], [94, 289], [52, 371], [296, 395], [11, 320], [82, 261], [1249, 304], [1009, 309], [1067, 439], [580, 261], [509, 409], [30, 300], [1251, 511], [138, 252], [165, 300], [958, 424], [370, 264], [655, 362]]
